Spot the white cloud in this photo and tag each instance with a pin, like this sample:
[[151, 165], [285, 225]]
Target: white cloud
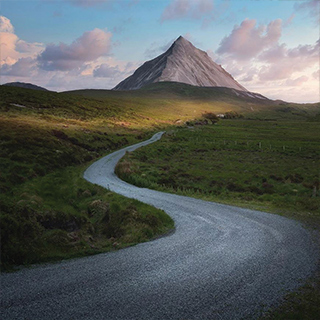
[[297, 82]]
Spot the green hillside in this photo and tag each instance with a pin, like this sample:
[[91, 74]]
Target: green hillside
[[48, 211], [170, 101]]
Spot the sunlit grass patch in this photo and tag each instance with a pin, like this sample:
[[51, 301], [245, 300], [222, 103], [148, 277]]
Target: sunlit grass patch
[[274, 165]]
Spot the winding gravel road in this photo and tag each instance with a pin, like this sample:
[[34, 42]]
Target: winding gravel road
[[222, 262]]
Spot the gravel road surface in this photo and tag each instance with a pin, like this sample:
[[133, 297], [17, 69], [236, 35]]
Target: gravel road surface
[[221, 262]]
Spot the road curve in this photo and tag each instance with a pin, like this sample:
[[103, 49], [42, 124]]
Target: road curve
[[222, 262]]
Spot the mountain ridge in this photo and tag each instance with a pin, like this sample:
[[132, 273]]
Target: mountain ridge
[[25, 85], [183, 63]]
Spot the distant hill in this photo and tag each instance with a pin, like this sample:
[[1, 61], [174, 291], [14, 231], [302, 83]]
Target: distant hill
[[183, 63], [25, 85], [170, 101]]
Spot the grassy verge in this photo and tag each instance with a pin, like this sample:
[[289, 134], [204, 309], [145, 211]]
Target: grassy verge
[[61, 216], [270, 166], [47, 211]]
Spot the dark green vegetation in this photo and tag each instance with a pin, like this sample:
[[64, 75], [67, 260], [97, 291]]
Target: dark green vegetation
[[47, 210], [24, 85], [61, 215], [300, 305]]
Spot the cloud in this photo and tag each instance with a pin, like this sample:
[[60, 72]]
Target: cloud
[[179, 9], [61, 67], [12, 48], [248, 39], [24, 67], [175, 10], [249, 44], [297, 82], [155, 49], [26, 47], [106, 71], [89, 47], [289, 20], [316, 75], [202, 8], [253, 54], [93, 3], [311, 7], [87, 3], [8, 47], [282, 62], [5, 25]]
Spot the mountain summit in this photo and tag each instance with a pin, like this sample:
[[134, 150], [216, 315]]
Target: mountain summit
[[182, 62]]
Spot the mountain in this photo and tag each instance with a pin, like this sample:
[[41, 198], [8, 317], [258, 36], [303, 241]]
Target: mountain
[[183, 63], [25, 85]]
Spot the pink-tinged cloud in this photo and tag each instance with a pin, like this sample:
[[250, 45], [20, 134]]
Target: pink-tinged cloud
[[8, 47], [289, 20], [274, 54], [202, 7], [297, 82], [12, 48], [282, 62], [8, 41], [5, 25], [24, 67], [175, 10], [89, 47], [179, 9], [248, 40]]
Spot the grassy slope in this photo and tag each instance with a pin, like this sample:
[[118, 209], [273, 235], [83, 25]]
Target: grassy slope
[[43, 218], [269, 166], [40, 146], [168, 101]]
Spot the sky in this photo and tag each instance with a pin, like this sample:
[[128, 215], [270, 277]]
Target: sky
[[269, 46]]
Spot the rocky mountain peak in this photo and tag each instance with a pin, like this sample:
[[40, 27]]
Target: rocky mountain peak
[[184, 63]]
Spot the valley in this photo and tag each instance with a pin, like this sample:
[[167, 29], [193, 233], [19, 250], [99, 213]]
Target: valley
[[160, 160], [49, 212]]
